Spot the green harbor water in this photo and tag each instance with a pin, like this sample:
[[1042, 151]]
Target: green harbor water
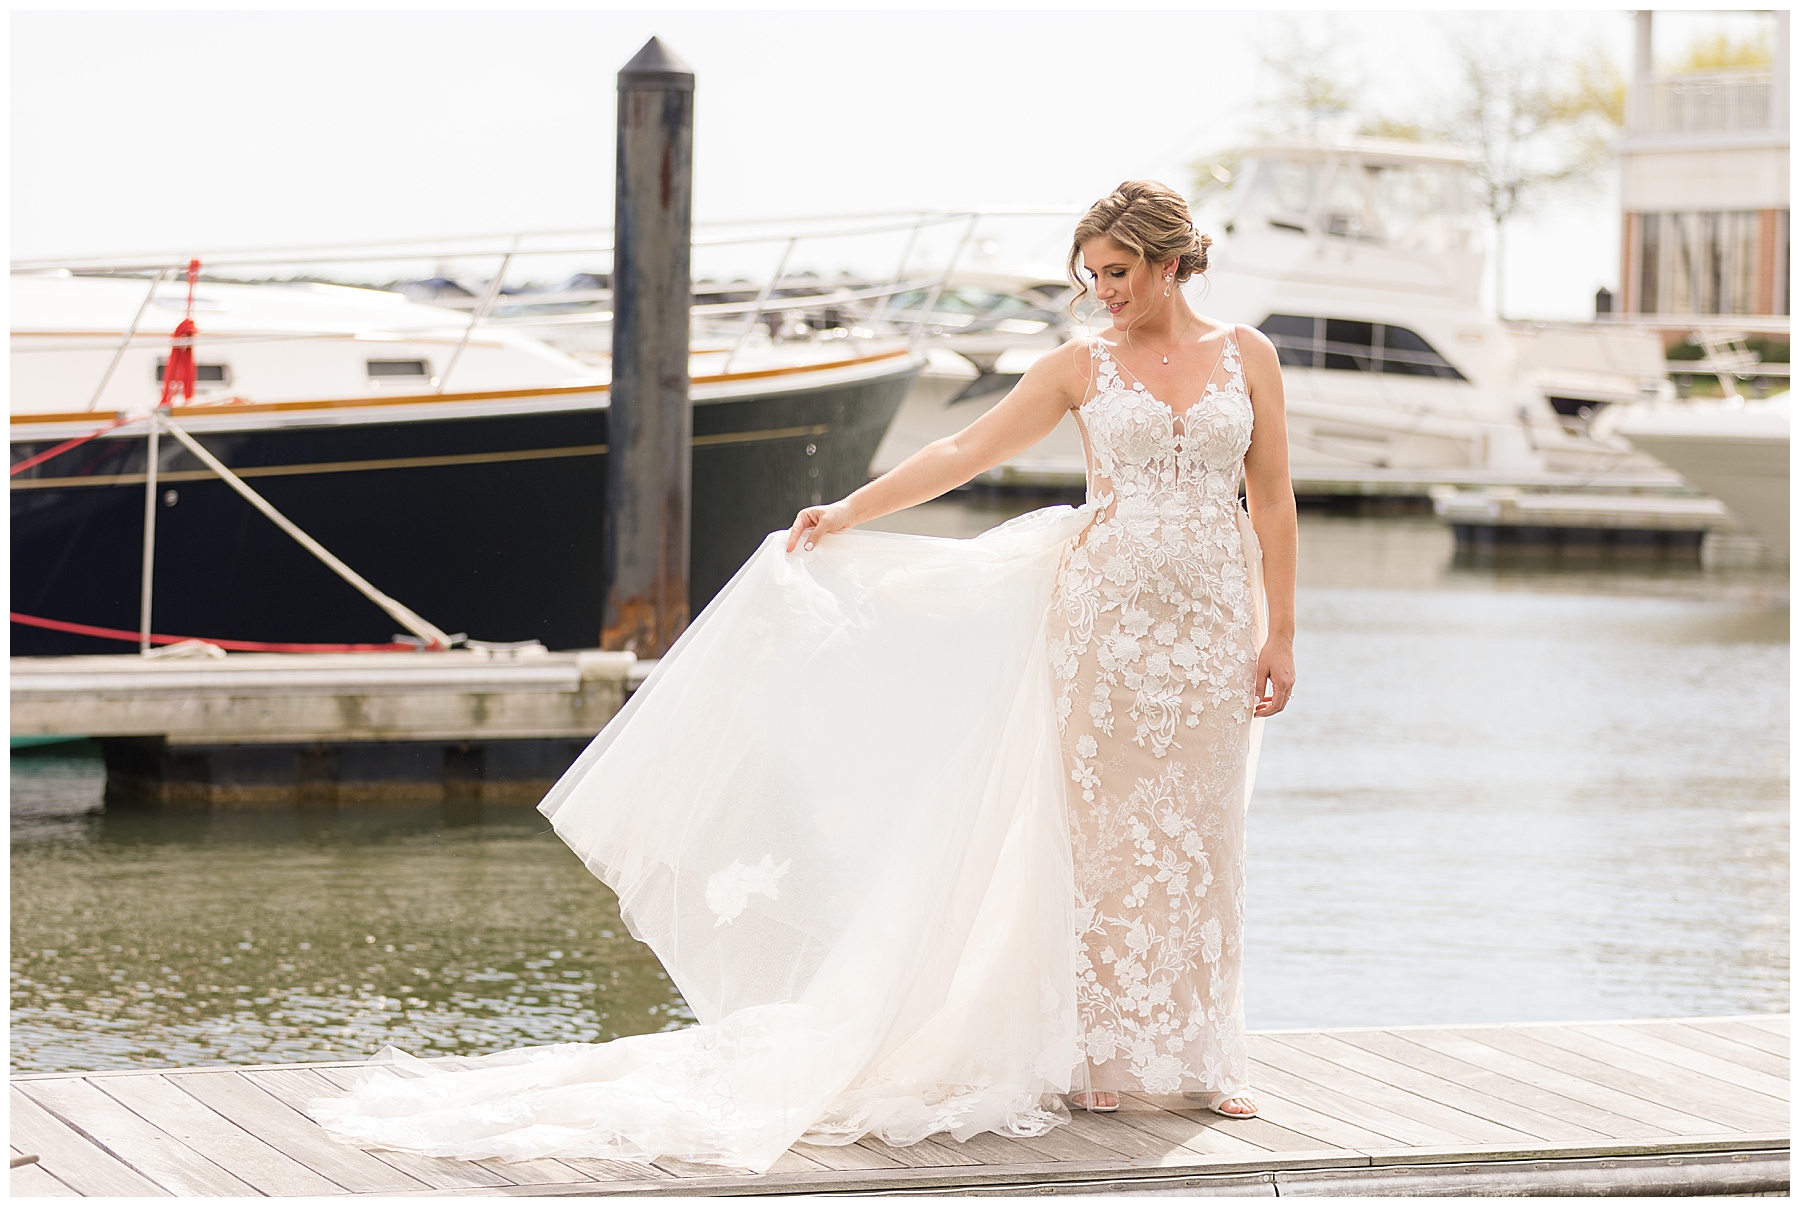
[[1501, 794]]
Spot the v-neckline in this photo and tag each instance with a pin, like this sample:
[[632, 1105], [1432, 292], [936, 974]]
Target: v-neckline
[[1138, 386]]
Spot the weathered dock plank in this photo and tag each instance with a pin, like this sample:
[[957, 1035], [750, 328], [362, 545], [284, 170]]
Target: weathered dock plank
[[1309, 1120], [214, 1136], [232, 1093], [1470, 1102], [1351, 1104], [1690, 1106], [1727, 1071], [1576, 1115], [1192, 1136], [83, 1164], [1773, 1042], [1733, 1051], [146, 1147], [297, 1086], [1531, 1060], [31, 1181], [1652, 1078]]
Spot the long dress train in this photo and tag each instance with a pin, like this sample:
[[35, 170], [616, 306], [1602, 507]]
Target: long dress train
[[837, 811]]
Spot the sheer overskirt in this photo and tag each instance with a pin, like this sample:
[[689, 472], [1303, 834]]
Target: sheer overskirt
[[836, 813]]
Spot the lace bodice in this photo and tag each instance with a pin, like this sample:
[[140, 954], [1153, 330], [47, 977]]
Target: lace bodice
[[1141, 449], [1165, 544]]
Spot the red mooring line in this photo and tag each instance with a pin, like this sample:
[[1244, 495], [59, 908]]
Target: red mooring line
[[66, 445], [245, 647]]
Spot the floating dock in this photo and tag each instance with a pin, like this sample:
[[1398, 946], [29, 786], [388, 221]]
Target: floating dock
[[1504, 521], [1511, 518], [1687, 1107], [266, 728]]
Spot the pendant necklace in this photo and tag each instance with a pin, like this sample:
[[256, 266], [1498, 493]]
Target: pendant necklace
[[1165, 355]]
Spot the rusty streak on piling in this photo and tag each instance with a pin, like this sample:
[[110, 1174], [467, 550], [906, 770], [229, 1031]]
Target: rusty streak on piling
[[649, 464]]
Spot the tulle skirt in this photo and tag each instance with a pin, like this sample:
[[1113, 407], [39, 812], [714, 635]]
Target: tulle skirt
[[836, 813]]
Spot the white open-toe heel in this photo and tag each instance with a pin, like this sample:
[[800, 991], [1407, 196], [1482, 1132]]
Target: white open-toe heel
[[1217, 1107], [1090, 1100]]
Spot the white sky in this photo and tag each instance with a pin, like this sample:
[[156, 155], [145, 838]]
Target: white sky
[[156, 131]]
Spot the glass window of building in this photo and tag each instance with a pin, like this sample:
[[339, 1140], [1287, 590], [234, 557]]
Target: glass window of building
[[1704, 262]]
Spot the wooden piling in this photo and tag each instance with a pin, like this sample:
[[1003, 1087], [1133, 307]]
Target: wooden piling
[[650, 427]]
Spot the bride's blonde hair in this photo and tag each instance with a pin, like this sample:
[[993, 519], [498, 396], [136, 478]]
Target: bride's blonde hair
[[1148, 219]]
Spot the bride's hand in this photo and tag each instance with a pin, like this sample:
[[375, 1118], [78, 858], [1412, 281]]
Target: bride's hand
[[814, 522], [1275, 676]]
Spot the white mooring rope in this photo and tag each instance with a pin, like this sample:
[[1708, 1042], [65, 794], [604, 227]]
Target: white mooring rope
[[417, 625]]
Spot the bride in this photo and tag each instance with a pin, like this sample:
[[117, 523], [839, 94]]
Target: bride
[[938, 835]]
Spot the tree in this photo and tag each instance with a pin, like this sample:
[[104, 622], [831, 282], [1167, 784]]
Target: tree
[[1532, 120], [1317, 91], [1719, 51]]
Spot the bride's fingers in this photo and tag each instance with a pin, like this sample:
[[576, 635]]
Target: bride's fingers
[[1277, 699], [822, 527], [805, 520]]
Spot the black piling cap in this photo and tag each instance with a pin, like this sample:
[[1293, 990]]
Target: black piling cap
[[656, 67]]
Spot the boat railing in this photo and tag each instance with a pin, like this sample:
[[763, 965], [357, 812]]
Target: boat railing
[[855, 305]]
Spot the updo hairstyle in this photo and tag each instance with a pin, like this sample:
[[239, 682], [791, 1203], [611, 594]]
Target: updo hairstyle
[[1148, 219]]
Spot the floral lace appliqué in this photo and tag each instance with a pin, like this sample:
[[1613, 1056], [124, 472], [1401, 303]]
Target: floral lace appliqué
[[1152, 652], [728, 891]]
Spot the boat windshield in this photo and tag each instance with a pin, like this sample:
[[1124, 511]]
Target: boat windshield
[[1421, 207]]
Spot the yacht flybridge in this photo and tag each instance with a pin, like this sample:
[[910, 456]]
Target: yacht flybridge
[[1362, 261]]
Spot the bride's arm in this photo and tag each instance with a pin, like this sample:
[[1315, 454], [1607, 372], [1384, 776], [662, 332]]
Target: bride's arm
[[1272, 511], [1047, 391]]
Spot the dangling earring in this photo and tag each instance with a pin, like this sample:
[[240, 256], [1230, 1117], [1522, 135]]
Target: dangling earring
[[1166, 282]]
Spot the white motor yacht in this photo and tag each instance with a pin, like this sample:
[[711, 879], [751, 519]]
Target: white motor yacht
[[1733, 450], [1362, 261]]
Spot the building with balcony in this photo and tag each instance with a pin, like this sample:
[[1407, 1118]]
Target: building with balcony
[[1703, 173]]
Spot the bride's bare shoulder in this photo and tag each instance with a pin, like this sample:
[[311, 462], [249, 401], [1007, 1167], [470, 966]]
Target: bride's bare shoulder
[[1257, 349], [1070, 361]]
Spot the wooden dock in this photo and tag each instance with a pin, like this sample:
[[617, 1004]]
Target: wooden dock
[[294, 698], [258, 729], [1692, 1106]]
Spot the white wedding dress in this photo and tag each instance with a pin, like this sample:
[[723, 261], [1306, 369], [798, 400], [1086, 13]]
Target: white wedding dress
[[838, 811]]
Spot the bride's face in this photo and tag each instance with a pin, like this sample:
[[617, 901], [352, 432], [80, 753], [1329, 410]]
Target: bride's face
[[1131, 289]]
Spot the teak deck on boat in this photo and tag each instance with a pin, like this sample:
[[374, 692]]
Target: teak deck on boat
[[1660, 1107]]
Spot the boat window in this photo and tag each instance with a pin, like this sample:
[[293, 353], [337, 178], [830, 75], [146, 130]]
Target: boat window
[[1280, 191], [217, 375], [391, 369], [1296, 339], [1407, 352], [1345, 211], [1423, 207], [1354, 345], [1349, 344]]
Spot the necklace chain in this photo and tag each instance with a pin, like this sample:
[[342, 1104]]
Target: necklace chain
[[1173, 346]]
